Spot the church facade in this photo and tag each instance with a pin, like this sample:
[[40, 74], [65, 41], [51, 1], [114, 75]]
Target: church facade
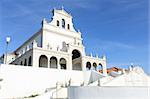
[[56, 45], [61, 68]]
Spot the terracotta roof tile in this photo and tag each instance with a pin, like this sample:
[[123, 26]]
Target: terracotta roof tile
[[111, 69]]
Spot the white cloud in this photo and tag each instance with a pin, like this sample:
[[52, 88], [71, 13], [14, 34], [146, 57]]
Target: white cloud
[[114, 45]]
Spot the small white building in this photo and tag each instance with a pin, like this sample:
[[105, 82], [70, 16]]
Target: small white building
[[56, 45]]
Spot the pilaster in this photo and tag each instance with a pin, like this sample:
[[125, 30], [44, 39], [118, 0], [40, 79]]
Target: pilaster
[[83, 64]]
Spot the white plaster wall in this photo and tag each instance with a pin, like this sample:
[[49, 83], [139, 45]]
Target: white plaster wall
[[55, 36], [55, 40], [108, 92], [19, 81]]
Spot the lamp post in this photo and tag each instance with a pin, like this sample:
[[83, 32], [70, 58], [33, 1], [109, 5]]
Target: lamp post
[[7, 42]]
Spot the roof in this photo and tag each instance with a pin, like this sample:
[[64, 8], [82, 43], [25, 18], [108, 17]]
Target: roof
[[28, 40], [116, 69]]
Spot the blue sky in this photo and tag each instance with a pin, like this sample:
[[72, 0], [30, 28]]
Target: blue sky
[[115, 28]]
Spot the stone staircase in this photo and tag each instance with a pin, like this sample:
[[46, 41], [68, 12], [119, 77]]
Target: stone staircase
[[58, 92]]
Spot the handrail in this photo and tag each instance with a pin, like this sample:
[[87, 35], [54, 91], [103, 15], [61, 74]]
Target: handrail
[[56, 91]]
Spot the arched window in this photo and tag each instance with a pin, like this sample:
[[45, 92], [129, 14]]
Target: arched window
[[43, 61], [94, 65], [62, 63], [63, 23], [57, 23], [30, 61], [53, 62], [100, 68], [25, 62], [68, 26], [88, 65]]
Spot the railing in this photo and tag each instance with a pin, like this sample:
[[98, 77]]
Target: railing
[[54, 91]]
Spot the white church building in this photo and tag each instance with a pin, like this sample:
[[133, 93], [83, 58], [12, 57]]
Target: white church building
[[52, 64], [56, 45]]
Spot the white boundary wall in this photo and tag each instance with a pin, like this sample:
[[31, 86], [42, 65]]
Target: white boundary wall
[[19, 81], [109, 92]]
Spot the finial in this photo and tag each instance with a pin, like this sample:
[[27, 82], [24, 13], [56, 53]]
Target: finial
[[44, 20], [62, 8], [34, 44], [28, 47], [57, 47], [53, 10], [78, 31], [123, 71], [70, 14], [104, 56], [96, 55], [91, 55], [98, 82], [131, 67], [69, 82]]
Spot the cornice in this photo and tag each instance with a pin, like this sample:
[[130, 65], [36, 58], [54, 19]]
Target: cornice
[[51, 51]]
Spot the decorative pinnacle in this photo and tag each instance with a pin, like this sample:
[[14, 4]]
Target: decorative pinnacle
[[78, 31], [62, 7], [131, 64], [104, 57], [96, 55], [44, 20], [91, 55]]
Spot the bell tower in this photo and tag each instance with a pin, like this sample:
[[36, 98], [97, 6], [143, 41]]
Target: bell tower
[[62, 19]]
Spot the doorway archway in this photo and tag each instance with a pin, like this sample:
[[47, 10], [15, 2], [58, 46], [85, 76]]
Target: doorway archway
[[76, 60]]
